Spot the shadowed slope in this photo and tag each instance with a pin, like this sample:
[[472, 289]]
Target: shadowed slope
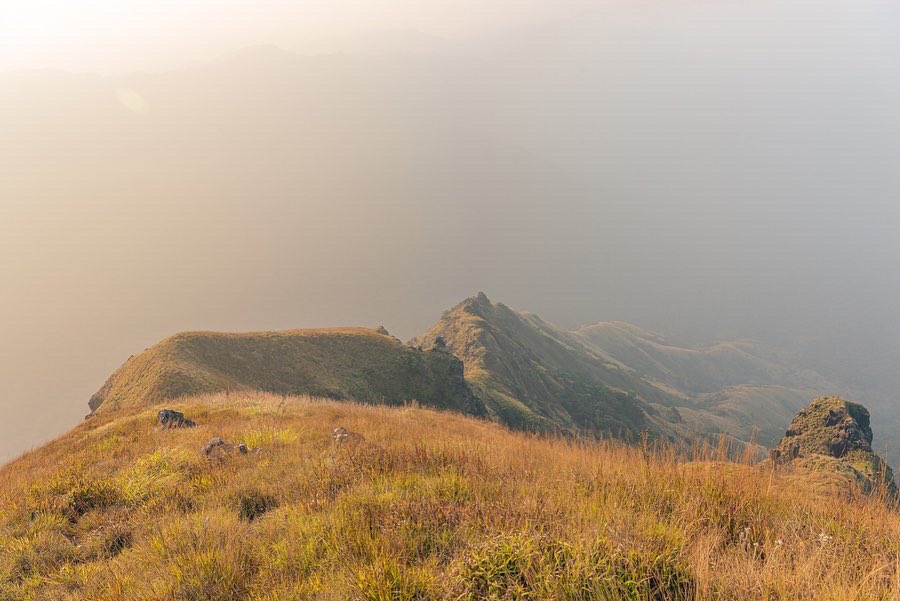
[[340, 363]]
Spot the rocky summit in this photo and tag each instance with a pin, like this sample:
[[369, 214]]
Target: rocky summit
[[834, 436]]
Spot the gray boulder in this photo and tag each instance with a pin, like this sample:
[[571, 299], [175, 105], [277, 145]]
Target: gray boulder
[[217, 449], [169, 418]]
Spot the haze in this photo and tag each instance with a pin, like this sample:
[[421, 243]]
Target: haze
[[125, 35], [707, 169]]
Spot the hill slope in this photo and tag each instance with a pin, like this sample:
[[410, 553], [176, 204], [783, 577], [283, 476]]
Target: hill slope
[[616, 377], [740, 387], [339, 363], [428, 506], [608, 378], [693, 371], [532, 375]]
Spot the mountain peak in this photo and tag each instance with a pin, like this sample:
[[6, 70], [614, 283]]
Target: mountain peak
[[533, 376], [480, 300]]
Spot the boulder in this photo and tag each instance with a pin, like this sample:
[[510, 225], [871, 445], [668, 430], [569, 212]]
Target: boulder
[[169, 418], [343, 436], [834, 435], [217, 449]]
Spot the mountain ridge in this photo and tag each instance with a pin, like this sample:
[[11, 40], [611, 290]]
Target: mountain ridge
[[737, 389], [486, 359], [532, 375], [342, 363]]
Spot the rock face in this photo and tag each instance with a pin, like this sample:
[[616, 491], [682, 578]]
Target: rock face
[[827, 426], [169, 418], [829, 429]]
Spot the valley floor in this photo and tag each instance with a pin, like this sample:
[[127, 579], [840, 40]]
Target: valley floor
[[429, 505]]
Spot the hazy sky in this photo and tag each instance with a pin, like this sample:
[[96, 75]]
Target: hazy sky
[[117, 35], [704, 168]]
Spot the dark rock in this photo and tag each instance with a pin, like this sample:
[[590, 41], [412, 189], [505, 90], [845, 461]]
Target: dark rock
[[169, 418], [383, 331], [440, 344]]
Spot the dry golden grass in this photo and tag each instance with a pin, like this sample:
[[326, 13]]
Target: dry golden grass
[[430, 506]]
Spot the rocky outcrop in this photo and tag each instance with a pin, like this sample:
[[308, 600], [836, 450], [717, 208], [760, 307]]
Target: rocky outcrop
[[218, 450], [835, 435], [169, 418]]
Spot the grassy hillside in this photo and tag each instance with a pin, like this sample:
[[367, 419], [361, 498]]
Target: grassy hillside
[[614, 377], [610, 378], [429, 506], [747, 411], [338, 363], [537, 377]]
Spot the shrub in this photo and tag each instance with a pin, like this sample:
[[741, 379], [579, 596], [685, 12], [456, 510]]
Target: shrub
[[523, 567], [389, 580], [503, 568], [209, 575], [87, 496], [156, 473], [254, 504]]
